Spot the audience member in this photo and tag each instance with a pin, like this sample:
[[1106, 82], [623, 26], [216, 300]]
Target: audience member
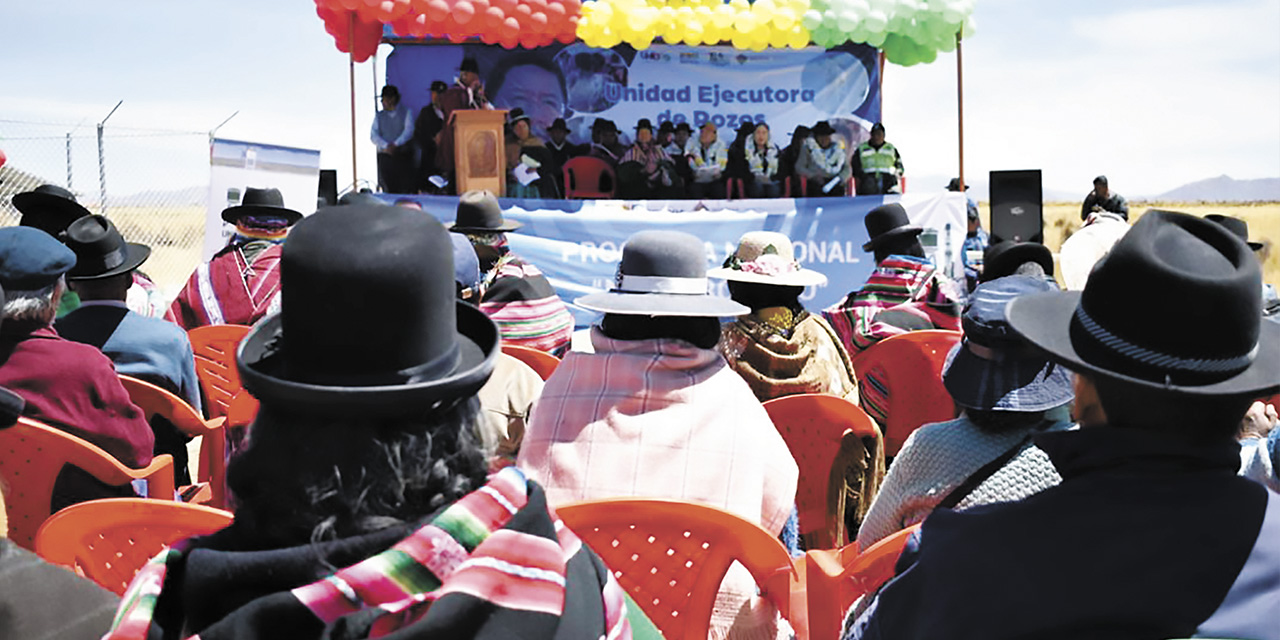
[[645, 170], [66, 385], [43, 600], [241, 283], [779, 348], [392, 132], [508, 395], [737, 167], [1270, 300], [975, 240], [363, 476], [514, 293], [904, 293], [762, 159], [1008, 258], [823, 162], [708, 158], [1102, 199], [149, 349], [561, 149], [52, 209], [1084, 248], [1009, 394], [1151, 533], [656, 411], [666, 133], [680, 150], [1260, 445], [877, 165], [426, 132]]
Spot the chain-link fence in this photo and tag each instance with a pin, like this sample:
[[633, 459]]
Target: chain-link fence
[[152, 183]]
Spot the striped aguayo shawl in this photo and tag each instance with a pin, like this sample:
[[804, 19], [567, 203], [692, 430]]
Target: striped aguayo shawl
[[495, 564], [230, 289], [523, 303], [903, 284]]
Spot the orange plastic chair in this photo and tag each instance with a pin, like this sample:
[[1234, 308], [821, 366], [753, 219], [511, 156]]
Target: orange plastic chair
[[108, 541], [584, 177], [34, 455], [671, 556], [910, 366], [829, 437], [215, 350], [540, 361], [211, 470], [835, 578]]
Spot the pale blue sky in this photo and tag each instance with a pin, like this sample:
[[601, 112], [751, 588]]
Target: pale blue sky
[[1153, 94]]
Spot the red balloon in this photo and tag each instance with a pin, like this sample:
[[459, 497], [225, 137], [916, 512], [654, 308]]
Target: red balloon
[[509, 42], [493, 18], [567, 37], [349, 5], [3, 158], [537, 5], [530, 40], [392, 10], [463, 12], [510, 28], [572, 7], [556, 14], [437, 10], [523, 11], [507, 6], [538, 22], [457, 38]]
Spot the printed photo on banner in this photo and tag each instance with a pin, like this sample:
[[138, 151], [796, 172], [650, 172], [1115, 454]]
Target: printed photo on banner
[[785, 88]]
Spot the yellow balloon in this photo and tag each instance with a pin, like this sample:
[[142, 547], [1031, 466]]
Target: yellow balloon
[[798, 38], [784, 19], [779, 39]]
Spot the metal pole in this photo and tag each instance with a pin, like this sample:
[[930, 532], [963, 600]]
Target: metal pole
[[351, 74], [960, 106], [102, 164], [69, 187], [880, 94]]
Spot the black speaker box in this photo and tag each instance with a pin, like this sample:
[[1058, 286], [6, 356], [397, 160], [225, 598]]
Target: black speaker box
[[1017, 207], [328, 186]]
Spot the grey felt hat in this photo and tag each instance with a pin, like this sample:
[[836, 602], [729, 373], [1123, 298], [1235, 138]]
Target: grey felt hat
[[663, 273]]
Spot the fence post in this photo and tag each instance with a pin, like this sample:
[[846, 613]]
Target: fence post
[[69, 174], [102, 164]]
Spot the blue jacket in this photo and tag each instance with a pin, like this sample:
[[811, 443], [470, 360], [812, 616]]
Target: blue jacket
[[149, 349], [1148, 536]]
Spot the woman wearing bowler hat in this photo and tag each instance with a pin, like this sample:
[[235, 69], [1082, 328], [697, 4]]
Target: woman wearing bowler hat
[[656, 411], [645, 170], [363, 507]]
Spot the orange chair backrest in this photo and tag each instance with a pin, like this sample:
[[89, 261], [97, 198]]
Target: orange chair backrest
[[815, 425], [34, 454], [157, 401], [540, 361], [582, 178], [110, 540], [910, 365], [836, 578], [671, 556], [215, 351]]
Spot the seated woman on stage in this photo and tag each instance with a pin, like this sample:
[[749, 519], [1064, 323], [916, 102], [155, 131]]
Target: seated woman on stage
[[762, 157], [526, 153], [645, 170]]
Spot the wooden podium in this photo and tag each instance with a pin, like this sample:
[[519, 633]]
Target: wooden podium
[[479, 149]]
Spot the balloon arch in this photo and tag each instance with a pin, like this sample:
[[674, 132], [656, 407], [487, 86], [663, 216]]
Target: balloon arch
[[907, 31]]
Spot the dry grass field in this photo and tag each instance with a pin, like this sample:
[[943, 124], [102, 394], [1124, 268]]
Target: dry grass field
[[1061, 219]]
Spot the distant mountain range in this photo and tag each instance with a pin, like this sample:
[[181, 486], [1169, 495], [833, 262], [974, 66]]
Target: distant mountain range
[[1219, 189]]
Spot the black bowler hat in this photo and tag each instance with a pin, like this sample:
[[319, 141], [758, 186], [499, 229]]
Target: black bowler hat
[[1174, 306], [666, 127], [1235, 225], [887, 222], [662, 273], [469, 64], [879, 126], [261, 202], [49, 208], [603, 125], [823, 128], [1003, 259], [438, 86], [517, 114], [1102, 180], [558, 125], [326, 354], [644, 123], [954, 185], [683, 126], [101, 251], [479, 212]]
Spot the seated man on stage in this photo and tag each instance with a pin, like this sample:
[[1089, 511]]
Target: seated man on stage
[[708, 158], [604, 142], [514, 293], [240, 284], [823, 162], [645, 170]]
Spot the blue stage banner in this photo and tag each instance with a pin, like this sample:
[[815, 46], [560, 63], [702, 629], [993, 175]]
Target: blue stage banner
[[578, 244], [783, 87]]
